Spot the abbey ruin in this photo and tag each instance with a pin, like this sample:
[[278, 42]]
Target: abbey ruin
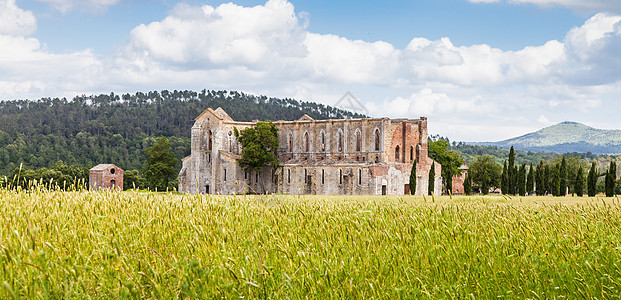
[[371, 156]]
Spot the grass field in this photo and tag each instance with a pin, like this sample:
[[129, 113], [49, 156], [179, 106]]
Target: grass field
[[158, 245]]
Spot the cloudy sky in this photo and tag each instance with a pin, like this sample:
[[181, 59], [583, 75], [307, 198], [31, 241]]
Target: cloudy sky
[[480, 70]]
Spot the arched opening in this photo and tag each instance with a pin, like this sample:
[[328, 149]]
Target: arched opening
[[112, 183], [322, 141], [306, 142], [210, 143], [340, 176], [290, 142], [377, 140], [230, 141], [358, 141], [288, 175], [360, 176], [411, 153], [323, 176], [339, 141], [397, 152]]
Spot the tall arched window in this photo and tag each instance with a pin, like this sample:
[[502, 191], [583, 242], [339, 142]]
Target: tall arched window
[[377, 140], [397, 152], [306, 142], [339, 141], [340, 176], [411, 153], [322, 141], [323, 173], [358, 141], [360, 176], [288, 175], [210, 136], [290, 142], [230, 141]]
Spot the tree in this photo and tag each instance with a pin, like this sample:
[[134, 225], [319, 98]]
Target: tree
[[611, 177], [467, 185], [160, 171], [485, 173], [540, 189], [432, 176], [511, 169], [504, 184], [132, 179], [592, 181], [521, 183], [579, 184], [562, 174], [413, 179], [450, 160], [259, 146], [530, 180]]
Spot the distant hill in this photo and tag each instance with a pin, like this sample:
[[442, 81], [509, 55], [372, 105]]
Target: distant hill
[[89, 130], [566, 137]]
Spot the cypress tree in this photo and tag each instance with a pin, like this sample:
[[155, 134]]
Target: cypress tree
[[432, 177], [413, 179], [555, 183], [530, 180], [504, 179], [546, 179], [592, 181], [511, 172], [467, 185], [521, 177], [579, 184], [611, 177], [539, 185], [562, 178]]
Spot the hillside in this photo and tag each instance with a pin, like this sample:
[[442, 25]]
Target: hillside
[[567, 137], [89, 130]]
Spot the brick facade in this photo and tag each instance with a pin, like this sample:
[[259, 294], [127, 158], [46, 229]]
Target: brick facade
[[347, 156], [105, 176]]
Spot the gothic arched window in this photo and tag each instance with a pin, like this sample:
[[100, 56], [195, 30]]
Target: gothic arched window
[[397, 153]]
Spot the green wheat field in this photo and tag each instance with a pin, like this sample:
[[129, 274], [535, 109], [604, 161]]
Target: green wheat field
[[93, 245]]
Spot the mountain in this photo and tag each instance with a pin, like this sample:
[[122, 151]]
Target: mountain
[[567, 137]]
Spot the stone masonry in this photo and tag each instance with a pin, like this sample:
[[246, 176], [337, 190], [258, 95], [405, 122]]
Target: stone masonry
[[105, 176], [371, 156]]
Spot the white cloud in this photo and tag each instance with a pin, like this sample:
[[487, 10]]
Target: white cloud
[[14, 20], [86, 5]]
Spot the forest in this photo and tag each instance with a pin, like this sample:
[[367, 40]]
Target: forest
[[88, 130]]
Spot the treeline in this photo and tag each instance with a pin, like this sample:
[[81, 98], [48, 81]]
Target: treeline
[[560, 176], [88, 130]]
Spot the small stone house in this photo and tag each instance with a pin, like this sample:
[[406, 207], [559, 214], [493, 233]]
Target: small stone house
[[105, 176]]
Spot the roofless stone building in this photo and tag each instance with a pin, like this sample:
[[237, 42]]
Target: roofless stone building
[[371, 156]]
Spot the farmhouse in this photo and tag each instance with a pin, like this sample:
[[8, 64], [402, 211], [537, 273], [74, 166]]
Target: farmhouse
[[371, 156], [105, 176]]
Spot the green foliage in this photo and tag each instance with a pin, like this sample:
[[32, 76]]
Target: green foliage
[[611, 178], [468, 185], [530, 180], [562, 178], [132, 179], [579, 183], [59, 177], [540, 186], [592, 181], [259, 147], [413, 179], [439, 150], [159, 171], [431, 186], [512, 173], [521, 182], [504, 183], [89, 130], [485, 173]]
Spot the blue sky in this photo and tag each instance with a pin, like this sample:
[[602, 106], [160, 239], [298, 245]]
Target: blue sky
[[480, 70]]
